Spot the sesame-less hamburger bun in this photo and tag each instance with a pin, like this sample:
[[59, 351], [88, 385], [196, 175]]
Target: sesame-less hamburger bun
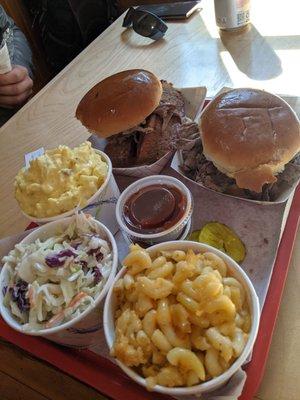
[[250, 135], [119, 102]]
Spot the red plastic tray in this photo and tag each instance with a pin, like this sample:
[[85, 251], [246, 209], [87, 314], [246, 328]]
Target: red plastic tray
[[108, 379]]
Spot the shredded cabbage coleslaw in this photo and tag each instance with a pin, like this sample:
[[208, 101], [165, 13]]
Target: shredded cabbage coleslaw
[[55, 280]]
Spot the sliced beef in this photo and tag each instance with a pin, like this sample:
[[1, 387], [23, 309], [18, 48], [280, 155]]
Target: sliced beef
[[165, 123], [171, 102], [199, 169], [285, 180], [153, 138], [120, 151], [148, 149]]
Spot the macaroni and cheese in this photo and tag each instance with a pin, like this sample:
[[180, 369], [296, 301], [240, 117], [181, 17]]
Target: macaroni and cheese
[[180, 319], [60, 180]]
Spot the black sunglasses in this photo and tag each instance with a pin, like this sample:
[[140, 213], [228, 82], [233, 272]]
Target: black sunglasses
[[145, 23]]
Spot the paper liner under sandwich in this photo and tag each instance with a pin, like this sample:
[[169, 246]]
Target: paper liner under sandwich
[[194, 98], [284, 191]]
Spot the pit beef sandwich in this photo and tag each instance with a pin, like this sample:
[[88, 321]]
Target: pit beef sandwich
[[249, 145], [140, 116]]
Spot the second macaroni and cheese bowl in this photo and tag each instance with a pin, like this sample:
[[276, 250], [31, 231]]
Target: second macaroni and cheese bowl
[[181, 317], [61, 182]]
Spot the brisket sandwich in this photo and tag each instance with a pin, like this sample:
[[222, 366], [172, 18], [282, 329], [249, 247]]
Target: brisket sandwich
[[249, 145], [140, 116]]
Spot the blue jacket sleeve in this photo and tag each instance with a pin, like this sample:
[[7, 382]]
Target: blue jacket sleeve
[[18, 47]]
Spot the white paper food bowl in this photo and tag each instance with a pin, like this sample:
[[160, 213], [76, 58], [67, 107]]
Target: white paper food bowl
[[238, 273], [96, 196], [170, 234], [84, 330]]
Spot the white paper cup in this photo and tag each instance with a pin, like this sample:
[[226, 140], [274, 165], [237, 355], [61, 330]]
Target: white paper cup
[[5, 64], [142, 171], [84, 330], [213, 384], [184, 235], [173, 232], [99, 195]]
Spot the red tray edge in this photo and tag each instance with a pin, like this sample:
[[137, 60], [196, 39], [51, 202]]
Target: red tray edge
[[83, 365], [272, 302], [97, 369]]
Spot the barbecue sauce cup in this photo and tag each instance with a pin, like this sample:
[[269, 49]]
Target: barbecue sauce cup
[[155, 209]]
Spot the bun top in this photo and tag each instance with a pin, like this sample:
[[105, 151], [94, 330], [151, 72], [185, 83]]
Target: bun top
[[250, 135], [119, 102]]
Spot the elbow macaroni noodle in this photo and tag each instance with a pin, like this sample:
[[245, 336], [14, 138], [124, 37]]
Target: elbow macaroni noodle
[[180, 318]]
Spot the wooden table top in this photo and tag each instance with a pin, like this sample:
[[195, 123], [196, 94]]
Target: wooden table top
[[265, 56]]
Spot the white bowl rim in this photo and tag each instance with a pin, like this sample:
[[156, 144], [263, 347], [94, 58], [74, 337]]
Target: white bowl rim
[[214, 382], [168, 179], [42, 332], [78, 208]]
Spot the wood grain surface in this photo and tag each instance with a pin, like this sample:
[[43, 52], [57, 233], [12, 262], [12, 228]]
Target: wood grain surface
[[193, 53], [23, 377]]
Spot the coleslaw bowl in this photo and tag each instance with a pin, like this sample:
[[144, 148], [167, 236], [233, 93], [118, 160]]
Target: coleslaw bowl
[[83, 330], [237, 272]]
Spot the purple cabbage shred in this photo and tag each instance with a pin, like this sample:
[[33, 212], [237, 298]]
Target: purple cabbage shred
[[97, 275], [99, 256], [84, 266], [4, 290], [92, 251], [83, 263], [97, 253], [55, 260], [18, 295]]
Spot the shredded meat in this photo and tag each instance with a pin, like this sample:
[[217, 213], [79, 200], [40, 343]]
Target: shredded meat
[[154, 137], [199, 169]]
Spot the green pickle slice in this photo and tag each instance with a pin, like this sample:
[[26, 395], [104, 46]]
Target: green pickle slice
[[222, 238], [194, 236]]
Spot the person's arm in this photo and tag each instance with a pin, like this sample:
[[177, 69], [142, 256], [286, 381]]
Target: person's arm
[[16, 85]]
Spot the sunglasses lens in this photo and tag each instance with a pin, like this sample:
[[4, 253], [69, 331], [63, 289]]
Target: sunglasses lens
[[148, 25], [127, 22]]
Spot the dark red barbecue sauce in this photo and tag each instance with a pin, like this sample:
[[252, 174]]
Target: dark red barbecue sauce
[[154, 209]]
